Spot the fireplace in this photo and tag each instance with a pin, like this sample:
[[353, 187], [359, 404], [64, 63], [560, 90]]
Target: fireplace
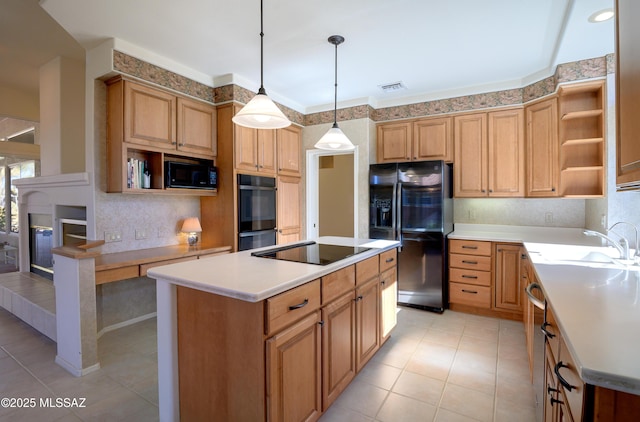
[[40, 244]]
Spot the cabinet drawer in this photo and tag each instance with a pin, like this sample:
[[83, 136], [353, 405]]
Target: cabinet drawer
[[468, 294], [552, 333], [338, 283], [566, 368], [479, 278], [388, 259], [366, 270], [471, 262], [470, 247], [116, 274], [288, 307]]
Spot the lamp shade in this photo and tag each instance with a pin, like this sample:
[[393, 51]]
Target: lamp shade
[[334, 140], [261, 113], [191, 225]]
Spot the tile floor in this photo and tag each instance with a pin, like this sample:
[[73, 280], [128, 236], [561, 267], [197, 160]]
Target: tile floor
[[450, 367]]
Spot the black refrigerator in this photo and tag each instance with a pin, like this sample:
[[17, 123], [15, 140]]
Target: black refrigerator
[[412, 203]]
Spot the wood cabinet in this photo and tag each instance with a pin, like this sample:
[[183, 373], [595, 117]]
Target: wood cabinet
[[367, 320], [508, 290], [338, 347], [424, 139], [289, 141], [153, 126], [394, 142], [542, 149], [627, 54], [484, 278], [582, 134], [294, 374], [489, 154], [288, 209], [470, 273], [255, 150]]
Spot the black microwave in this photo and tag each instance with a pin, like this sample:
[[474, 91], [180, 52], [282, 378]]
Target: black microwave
[[190, 176]]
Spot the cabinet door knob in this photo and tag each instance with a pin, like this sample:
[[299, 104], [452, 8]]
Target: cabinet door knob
[[553, 189]]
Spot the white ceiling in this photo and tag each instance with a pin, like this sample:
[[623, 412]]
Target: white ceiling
[[437, 48]]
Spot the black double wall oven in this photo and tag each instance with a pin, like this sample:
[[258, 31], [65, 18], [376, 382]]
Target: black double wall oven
[[256, 211]]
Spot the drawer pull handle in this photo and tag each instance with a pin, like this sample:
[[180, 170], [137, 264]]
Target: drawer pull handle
[[563, 381], [299, 305], [546, 332], [554, 401], [469, 247], [469, 291], [470, 262], [390, 260], [469, 276]]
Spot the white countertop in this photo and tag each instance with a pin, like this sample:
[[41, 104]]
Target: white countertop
[[597, 306], [252, 279]]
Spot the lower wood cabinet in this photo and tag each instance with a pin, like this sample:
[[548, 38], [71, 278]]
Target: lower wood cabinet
[[294, 374], [286, 358], [338, 347], [367, 320], [508, 291]]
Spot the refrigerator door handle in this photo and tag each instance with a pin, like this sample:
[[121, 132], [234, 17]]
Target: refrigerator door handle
[[394, 212], [398, 201]]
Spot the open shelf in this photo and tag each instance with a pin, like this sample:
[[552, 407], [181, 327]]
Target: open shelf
[[582, 158]]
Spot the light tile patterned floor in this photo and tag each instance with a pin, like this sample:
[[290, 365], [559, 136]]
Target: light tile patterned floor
[[450, 367]]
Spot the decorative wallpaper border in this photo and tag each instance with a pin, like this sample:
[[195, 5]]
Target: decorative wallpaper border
[[151, 73], [567, 72]]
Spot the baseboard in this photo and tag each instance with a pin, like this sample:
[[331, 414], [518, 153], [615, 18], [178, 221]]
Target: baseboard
[[126, 323], [77, 372]]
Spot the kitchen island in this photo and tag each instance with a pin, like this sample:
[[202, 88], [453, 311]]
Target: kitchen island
[[243, 337]]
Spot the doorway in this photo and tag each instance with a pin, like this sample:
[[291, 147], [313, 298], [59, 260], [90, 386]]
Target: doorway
[[332, 193]]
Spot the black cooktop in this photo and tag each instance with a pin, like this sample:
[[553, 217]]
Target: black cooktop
[[311, 253]]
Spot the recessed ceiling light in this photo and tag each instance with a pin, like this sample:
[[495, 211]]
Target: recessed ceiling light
[[601, 15]]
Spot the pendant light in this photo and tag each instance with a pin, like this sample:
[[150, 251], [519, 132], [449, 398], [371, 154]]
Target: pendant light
[[335, 139], [261, 112]]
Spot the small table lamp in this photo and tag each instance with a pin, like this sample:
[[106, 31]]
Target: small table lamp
[[192, 226]]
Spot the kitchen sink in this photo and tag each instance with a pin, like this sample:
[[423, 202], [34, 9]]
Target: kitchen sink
[[593, 256]]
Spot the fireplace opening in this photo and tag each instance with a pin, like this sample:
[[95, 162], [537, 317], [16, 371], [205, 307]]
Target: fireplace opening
[[40, 245]]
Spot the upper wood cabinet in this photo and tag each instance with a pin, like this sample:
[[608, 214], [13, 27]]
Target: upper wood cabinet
[[196, 129], [289, 142], [415, 140], [582, 157], [394, 142], [542, 148], [149, 125], [160, 119], [433, 139], [627, 90], [255, 149], [489, 151]]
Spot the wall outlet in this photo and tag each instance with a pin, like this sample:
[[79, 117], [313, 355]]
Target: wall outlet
[[113, 236], [472, 214], [141, 234], [548, 218], [163, 232], [603, 221]]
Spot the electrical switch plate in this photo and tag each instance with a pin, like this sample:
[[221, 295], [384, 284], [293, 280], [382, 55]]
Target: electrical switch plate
[[141, 234], [114, 236]]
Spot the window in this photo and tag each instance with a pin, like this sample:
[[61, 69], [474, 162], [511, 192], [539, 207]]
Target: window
[[9, 216]]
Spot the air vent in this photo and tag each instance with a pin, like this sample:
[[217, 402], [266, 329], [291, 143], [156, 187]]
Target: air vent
[[392, 87]]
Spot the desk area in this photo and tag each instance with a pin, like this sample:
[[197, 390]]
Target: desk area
[[124, 265]]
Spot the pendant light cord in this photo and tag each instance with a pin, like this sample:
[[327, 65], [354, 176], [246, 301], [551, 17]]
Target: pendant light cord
[[335, 95], [261, 90]]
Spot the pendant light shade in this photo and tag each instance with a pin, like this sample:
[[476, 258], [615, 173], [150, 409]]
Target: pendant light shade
[[335, 139], [261, 112]]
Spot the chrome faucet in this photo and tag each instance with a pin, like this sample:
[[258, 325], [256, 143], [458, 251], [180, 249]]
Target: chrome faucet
[[637, 251], [622, 246]]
